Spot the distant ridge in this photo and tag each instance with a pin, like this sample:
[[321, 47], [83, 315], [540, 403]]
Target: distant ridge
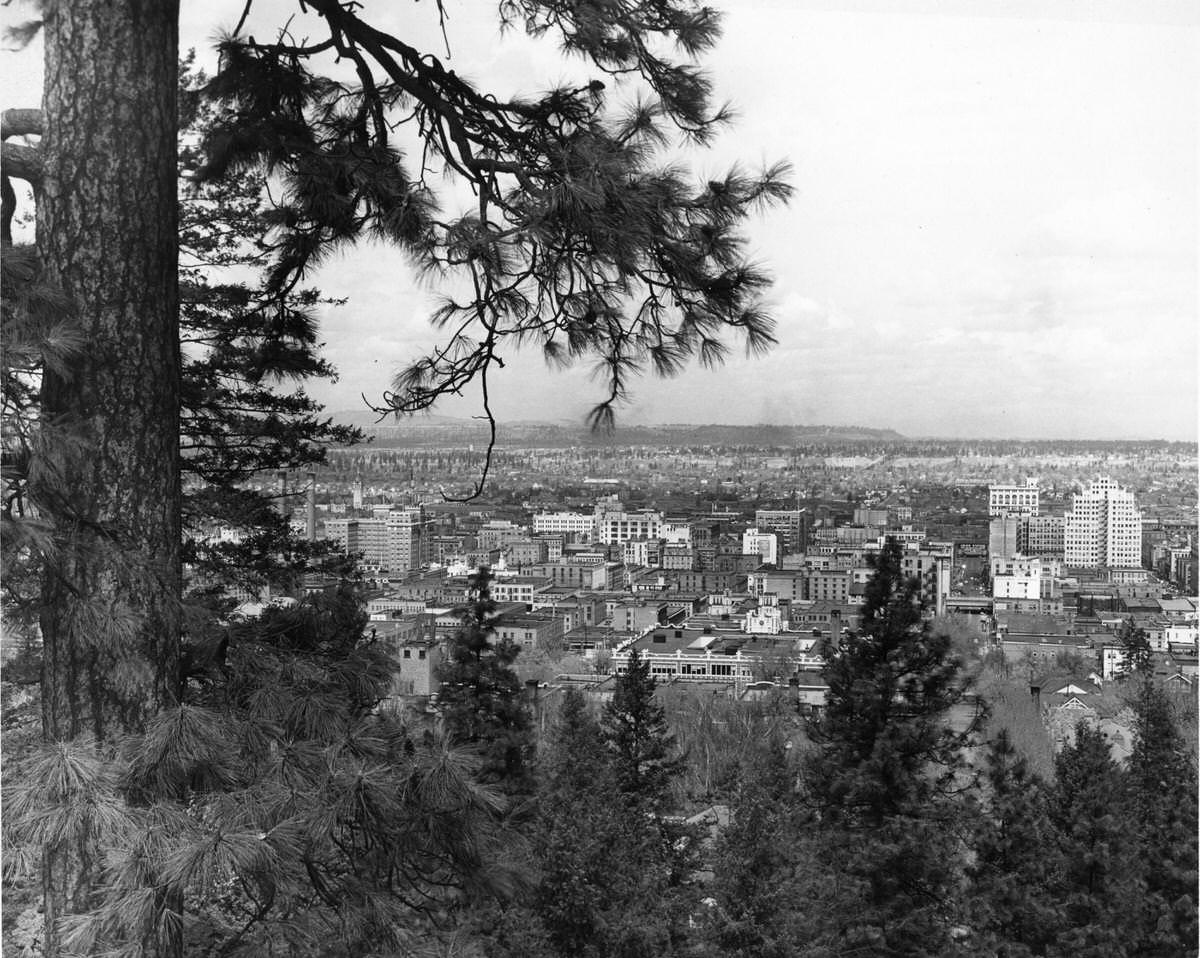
[[442, 430]]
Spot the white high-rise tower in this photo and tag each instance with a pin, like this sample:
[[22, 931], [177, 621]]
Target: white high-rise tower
[[1104, 528]]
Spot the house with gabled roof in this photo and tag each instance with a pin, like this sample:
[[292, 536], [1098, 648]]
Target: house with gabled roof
[[1064, 701]]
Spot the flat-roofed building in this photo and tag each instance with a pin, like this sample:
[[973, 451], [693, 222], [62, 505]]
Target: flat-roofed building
[[698, 655], [581, 526], [1044, 536], [623, 526], [403, 546], [520, 588], [1020, 499], [532, 630], [765, 545], [365, 537], [577, 575], [1004, 538], [789, 525]]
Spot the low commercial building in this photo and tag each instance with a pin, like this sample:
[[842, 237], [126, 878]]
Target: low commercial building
[[521, 588], [532, 630], [700, 655]]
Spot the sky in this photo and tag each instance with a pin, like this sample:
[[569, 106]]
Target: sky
[[994, 231]]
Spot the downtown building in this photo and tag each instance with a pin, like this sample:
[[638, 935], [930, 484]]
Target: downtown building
[[577, 526], [393, 542], [1017, 500], [789, 525], [1103, 529]]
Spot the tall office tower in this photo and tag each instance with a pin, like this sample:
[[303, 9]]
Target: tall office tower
[[1103, 529], [1043, 536], [365, 537], [790, 525], [403, 549], [1018, 500]]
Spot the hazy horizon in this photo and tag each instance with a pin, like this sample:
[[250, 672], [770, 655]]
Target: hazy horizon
[[360, 417], [994, 231]]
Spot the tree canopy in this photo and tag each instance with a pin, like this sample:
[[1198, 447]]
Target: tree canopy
[[583, 238]]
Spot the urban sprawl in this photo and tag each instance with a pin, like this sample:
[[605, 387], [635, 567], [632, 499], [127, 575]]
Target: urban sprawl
[[697, 560]]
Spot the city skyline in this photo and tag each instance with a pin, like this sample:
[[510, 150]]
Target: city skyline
[[993, 236]]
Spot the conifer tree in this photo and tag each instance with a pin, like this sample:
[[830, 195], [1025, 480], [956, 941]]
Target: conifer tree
[[885, 773], [276, 809], [480, 696], [1135, 645], [635, 727], [662, 277], [761, 899], [1161, 812], [608, 872], [1014, 870], [1095, 843], [245, 356]]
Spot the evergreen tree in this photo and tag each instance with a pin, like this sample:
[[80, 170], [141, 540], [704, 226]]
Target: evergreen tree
[[635, 727], [103, 479], [245, 354], [664, 278], [885, 773], [1135, 646], [1093, 841], [1162, 815], [277, 809], [760, 899], [480, 696], [609, 873], [1012, 879]]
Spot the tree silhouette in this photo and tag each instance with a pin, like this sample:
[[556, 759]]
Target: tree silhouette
[[635, 726], [480, 695], [579, 240], [886, 772]]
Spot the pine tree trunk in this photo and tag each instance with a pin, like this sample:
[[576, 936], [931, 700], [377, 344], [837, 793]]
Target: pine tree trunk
[[106, 226]]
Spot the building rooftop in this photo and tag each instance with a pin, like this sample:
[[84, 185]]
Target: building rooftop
[[699, 641]]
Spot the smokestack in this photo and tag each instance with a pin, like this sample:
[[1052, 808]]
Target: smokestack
[[311, 527]]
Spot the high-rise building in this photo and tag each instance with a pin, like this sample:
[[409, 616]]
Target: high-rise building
[[1104, 529], [1017, 500], [790, 525], [403, 550], [1043, 536], [365, 537]]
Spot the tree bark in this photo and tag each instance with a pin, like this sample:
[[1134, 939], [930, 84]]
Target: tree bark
[[107, 236]]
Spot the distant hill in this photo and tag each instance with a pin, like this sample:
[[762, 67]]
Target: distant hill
[[444, 430]]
